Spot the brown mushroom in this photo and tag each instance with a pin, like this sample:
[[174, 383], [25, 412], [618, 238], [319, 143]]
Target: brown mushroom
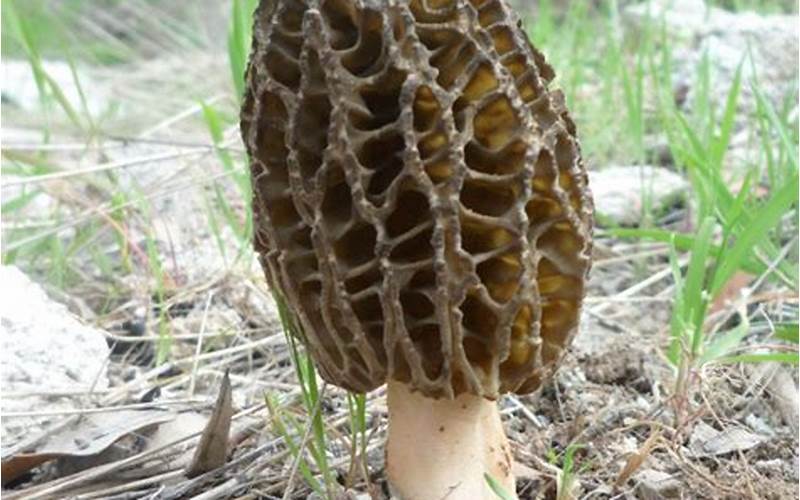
[[421, 204]]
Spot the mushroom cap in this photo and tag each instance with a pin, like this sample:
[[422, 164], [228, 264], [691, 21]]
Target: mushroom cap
[[419, 196]]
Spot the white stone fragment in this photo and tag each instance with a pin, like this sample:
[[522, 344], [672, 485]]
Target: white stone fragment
[[623, 193], [45, 353]]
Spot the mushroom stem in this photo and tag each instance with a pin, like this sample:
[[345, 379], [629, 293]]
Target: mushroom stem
[[442, 448]]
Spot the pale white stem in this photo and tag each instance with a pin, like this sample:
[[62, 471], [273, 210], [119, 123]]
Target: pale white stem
[[442, 449]]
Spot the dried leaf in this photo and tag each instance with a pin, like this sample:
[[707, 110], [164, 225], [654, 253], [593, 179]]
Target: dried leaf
[[731, 291], [19, 465], [89, 435], [707, 441], [212, 450], [186, 424]]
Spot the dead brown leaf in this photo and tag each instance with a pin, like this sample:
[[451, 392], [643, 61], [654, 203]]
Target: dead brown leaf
[[89, 435], [731, 291], [212, 450]]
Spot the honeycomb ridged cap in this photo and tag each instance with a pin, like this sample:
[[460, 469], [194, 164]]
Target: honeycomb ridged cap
[[419, 196]]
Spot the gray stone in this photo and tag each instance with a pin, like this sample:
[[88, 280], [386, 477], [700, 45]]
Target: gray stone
[[707, 441], [621, 193], [655, 485], [45, 353]]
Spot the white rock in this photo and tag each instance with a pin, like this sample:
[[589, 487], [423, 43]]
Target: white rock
[[774, 45], [696, 29], [681, 18], [622, 192], [759, 425], [43, 349]]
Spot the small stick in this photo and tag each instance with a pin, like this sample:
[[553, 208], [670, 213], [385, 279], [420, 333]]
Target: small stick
[[199, 346], [105, 409]]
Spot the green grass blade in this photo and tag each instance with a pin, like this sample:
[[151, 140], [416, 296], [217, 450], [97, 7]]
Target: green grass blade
[[280, 427], [720, 145], [496, 488], [239, 35], [677, 319], [724, 342], [19, 202], [761, 223], [737, 208], [695, 301], [240, 224], [318, 424], [306, 375], [681, 241], [566, 478], [788, 143], [61, 99], [25, 35], [698, 150], [791, 358], [788, 332], [79, 87]]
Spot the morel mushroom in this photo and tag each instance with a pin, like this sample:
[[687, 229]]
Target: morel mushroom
[[421, 205]]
